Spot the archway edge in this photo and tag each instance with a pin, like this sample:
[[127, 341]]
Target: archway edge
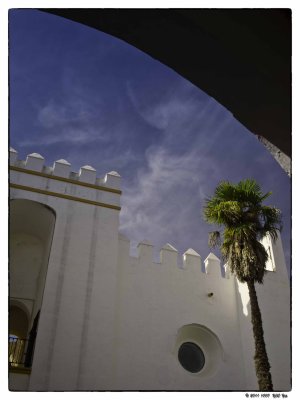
[[240, 57]]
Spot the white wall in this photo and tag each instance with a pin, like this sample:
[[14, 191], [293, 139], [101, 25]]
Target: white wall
[[110, 321], [154, 302], [26, 255], [274, 301], [31, 229], [18, 381]]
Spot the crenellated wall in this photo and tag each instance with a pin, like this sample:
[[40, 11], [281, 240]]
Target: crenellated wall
[[59, 181], [110, 321], [77, 310], [156, 300]]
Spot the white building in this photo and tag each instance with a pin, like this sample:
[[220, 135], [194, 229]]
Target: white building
[[104, 320]]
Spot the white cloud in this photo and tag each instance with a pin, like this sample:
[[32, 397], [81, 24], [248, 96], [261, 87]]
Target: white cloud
[[159, 114], [53, 114], [165, 200], [164, 203], [71, 122], [74, 136]]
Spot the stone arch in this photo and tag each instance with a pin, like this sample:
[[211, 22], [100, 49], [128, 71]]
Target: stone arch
[[31, 231], [18, 321], [22, 305], [240, 57]]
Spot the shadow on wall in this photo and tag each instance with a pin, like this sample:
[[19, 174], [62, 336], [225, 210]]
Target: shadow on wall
[[31, 230], [273, 298]]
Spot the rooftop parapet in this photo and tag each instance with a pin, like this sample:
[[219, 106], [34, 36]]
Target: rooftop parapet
[[61, 170], [212, 265], [87, 174], [34, 162], [145, 251], [192, 260], [13, 156], [169, 255], [112, 179], [227, 271]]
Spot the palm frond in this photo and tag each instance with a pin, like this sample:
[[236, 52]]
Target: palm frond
[[265, 196], [238, 208], [222, 212], [214, 239]]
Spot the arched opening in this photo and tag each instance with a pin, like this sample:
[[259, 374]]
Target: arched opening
[[18, 328], [31, 231]]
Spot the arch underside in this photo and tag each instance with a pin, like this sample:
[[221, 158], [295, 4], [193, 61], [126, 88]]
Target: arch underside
[[240, 57], [31, 230]]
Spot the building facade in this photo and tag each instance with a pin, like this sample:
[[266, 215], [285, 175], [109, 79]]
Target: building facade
[[86, 315]]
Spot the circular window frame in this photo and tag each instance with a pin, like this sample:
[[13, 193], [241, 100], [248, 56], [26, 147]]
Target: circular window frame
[[209, 344], [191, 351]]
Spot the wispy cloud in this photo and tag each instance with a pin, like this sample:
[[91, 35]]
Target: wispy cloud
[[70, 136], [162, 110], [118, 109], [164, 202], [200, 146], [70, 121], [159, 113], [53, 114]]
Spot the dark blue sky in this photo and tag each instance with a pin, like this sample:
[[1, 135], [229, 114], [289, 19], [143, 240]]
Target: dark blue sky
[[82, 95]]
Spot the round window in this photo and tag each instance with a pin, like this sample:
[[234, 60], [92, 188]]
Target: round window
[[191, 357]]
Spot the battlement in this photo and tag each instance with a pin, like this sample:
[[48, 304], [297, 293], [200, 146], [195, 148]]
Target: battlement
[[120, 307], [35, 163], [33, 175], [59, 181], [170, 258], [189, 266]]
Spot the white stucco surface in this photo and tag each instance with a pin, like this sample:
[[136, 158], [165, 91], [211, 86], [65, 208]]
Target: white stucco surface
[[110, 321]]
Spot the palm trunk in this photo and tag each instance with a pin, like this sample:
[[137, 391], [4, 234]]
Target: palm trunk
[[262, 365]]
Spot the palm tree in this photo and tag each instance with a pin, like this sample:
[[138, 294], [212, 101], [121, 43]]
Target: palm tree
[[245, 220]]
